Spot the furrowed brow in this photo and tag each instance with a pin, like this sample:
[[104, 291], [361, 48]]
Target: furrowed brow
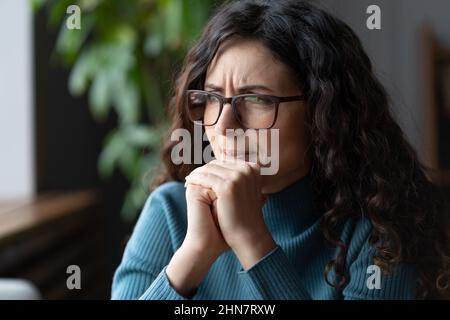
[[243, 88]]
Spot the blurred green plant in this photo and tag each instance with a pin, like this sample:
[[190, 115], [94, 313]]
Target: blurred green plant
[[124, 57]]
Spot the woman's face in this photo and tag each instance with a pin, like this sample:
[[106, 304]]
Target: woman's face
[[247, 66]]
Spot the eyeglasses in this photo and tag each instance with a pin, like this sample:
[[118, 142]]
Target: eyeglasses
[[252, 111]]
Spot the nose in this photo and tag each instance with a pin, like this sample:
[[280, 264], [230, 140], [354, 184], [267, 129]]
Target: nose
[[226, 120]]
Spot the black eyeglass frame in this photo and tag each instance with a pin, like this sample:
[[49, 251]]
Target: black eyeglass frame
[[232, 101]]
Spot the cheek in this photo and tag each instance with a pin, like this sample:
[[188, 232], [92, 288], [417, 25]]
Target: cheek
[[293, 144], [291, 153], [210, 134]]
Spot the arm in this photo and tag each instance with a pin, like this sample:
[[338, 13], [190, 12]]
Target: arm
[[151, 268], [146, 255], [273, 278], [180, 279]]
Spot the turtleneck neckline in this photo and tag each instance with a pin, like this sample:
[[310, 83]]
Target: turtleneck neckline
[[292, 208]]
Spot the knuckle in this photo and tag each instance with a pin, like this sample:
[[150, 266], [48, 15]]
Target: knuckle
[[228, 186], [235, 176], [248, 170]]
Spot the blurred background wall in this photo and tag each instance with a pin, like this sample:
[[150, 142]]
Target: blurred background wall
[[16, 96], [396, 50]]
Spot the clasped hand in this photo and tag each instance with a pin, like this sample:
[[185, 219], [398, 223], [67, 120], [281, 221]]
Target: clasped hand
[[226, 196]]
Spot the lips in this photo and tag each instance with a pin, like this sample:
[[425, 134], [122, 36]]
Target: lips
[[234, 154]]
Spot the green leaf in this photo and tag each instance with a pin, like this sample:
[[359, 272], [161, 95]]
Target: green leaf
[[83, 71], [154, 44], [112, 150], [123, 54], [195, 15], [154, 40], [138, 191], [142, 136], [128, 161], [123, 34], [153, 95], [99, 96], [69, 41], [58, 11], [133, 202], [90, 5], [173, 22], [127, 101], [36, 5], [148, 168]]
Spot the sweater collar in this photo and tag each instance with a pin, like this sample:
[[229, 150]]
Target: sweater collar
[[291, 210]]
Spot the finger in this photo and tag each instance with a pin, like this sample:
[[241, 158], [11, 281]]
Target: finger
[[232, 171], [238, 160], [231, 160], [214, 213], [208, 193], [223, 171], [207, 180], [256, 167], [241, 166], [226, 164], [214, 169], [248, 169], [226, 170]]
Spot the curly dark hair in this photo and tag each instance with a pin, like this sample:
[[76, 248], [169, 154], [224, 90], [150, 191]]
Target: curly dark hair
[[362, 165]]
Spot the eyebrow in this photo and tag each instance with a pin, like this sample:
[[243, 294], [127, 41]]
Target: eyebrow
[[244, 88]]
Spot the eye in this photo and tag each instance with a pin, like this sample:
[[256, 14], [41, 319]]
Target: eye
[[258, 100], [198, 98]]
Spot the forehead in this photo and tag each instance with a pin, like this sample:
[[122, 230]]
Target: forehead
[[246, 61]]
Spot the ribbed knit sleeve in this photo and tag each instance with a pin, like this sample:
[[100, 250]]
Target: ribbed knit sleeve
[[273, 278], [142, 272], [161, 289]]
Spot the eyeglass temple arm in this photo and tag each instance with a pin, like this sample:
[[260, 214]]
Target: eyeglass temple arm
[[294, 98]]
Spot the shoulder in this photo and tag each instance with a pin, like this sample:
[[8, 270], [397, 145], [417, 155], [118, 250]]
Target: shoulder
[[168, 198], [356, 234], [168, 192], [164, 211], [158, 232], [398, 283]]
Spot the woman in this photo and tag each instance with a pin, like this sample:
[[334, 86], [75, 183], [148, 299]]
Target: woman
[[349, 214]]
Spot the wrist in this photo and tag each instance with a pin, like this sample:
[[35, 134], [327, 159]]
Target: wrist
[[206, 253], [187, 268], [252, 249], [199, 253]]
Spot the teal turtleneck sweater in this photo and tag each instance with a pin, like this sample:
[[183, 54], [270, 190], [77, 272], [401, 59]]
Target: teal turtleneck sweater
[[293, 270]]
